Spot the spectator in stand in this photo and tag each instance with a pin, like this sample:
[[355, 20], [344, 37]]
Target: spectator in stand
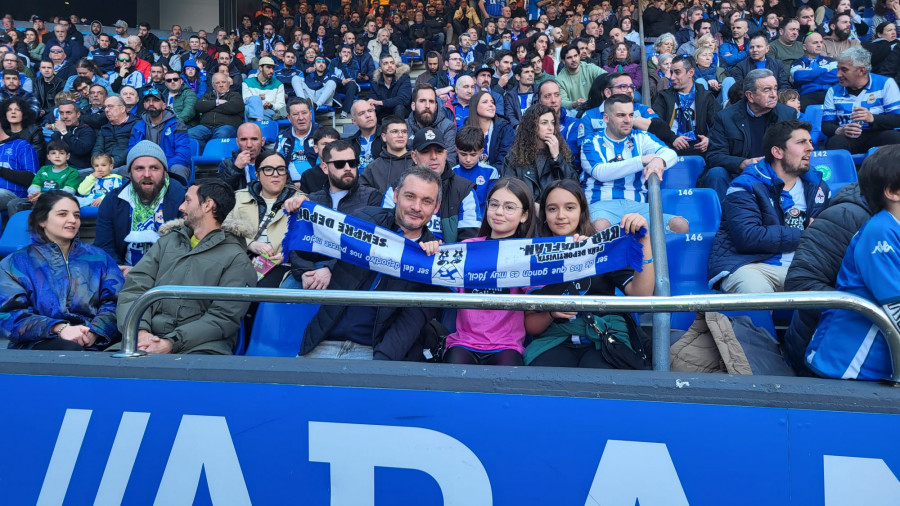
[[44, 35], [359, 332], [132, 100], [470, 147], [576, 78], [839, 40], [498, 133], [882, 47], [548, 94], [18, 164], [104, 55], [427, 113], [12, 89], [263, 95], [366, 141], [459, 106], [700, 28], [315, 179], [757, 49], [391, 88], [121, 32], [813, 74], [129, 218], [296, 143], [863, 109], [846, 345], [765, 212], [619, 61], [61, 65], [688, 110], [392, 161], [58, 293], [234, 70], [92, 113], [157, 79], [87, 68], [734, 50], [74, 49], [345, 68], [168, 58], [181, 99], [265, 44], [786, 47], [126, 74], [134, 42], [520, 98], [319, 85], [616, 164], [221, 112], [604, 87], [101, 181], [18, 121], [159, 125], [286, 73], [196, 251], [113, 137], [446, 80], [79, 137], [197, 53], [736, 138], [11, 62], [56, 175], [539, 154], [365, 62], [47, 84], [239, 170], [148, 39], [194, 77]]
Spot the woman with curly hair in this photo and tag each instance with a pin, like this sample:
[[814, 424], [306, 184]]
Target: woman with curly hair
[[17, 119], [539, 153]]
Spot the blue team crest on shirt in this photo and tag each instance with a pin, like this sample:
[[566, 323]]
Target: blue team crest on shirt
[[871, 98], [169, 131], [820, 196], [310, 143], [580, 130], [479, 180]]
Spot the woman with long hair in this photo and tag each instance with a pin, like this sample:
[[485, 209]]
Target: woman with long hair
[[18, 121], [540, 44], [167, 57], [539, 153], [620, 61], [498, 133], [564, 212], [487, 336], [34, 44], [58, 293]]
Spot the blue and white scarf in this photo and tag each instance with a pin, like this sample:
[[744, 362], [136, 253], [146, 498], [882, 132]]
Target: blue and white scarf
[[483, 264]]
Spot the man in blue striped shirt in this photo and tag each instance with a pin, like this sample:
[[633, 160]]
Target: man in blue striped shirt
[[863, 109], [616, 164]]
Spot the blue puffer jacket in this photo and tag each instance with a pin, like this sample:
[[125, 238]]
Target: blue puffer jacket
[[173, 138], [39, 289], [753, 227]]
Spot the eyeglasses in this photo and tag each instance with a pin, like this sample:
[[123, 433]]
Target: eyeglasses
[[125, 59], [397, 131], [320, 60], [339, 164], [508, 207], [624, 87], [270, 171], [173, 79]]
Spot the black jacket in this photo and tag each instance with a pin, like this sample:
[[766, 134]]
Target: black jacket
[[396, 331], [81, 141], [400, 92], [113, 140], [706, 107], [34, 135], [385, 171], [728, 143], [817, 262], [46, 92], [743, 67], [543, 172]]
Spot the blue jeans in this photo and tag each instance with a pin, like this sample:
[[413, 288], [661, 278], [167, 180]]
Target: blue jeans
[[254, 111], [202, 134], [718, 179]]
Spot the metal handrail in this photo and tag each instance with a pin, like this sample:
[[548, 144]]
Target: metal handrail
[[683, 303], [661, 321]]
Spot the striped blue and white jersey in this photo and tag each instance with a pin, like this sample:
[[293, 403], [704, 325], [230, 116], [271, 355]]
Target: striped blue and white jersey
[[591, 121], [880, 96], [613, 170]]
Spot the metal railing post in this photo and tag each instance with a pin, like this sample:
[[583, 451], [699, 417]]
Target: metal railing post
[[655, 304], [661, 321], [645, 72]]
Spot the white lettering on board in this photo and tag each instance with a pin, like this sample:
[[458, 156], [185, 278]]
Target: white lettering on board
[[354, 450], [855, 480], [626, 468]]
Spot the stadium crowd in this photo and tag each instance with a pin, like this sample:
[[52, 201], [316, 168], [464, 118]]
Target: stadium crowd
[[525, 120]]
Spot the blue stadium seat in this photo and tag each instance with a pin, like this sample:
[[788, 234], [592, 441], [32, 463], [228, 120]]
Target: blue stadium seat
[[216, 150], [700, 206], [269, 130], [89, 211], [284, 122], [687, 255], [836, 166], [15, 235], [278, 329], [813, 114], [365, 86], [684, 174], [195, 152], [872, 150]]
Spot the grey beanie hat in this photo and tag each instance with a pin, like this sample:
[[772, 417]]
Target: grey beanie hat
[[146, 148]]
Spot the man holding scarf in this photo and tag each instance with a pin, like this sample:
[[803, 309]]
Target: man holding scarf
[[129, 218]]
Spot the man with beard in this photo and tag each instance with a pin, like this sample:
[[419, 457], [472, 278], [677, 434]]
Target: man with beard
[[128, 220], [839, 40], [198, 251], [767, 208], [158, 124], [73, 49], [806, 15], [361, 332], [148, 39], [425, 113], [863, 109], [391, 88]]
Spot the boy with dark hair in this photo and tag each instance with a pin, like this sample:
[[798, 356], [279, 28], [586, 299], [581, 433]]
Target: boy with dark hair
[[56, 175], [847, 345], [314, 180], [473, 163]]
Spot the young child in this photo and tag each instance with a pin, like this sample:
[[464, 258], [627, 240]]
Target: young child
[[847, 345], [56, 176], [470, 148], [486, 336], [97, 185], [315, 180], [790, 98]]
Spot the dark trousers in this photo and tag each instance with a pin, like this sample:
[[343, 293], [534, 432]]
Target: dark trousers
[[460, 355], [718, 179], [57, 343], [867, 140]]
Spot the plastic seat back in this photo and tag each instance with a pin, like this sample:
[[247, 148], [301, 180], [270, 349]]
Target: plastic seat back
[[15, 234], [700, 206], [269, 130], [278, 329], [684, 174], [688, 255], [813, 114], [836, 166]]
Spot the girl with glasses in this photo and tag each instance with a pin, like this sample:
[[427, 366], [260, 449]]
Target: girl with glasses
[[487, 336]]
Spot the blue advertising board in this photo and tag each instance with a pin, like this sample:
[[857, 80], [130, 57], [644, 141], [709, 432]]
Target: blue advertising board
[[72, 440]]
